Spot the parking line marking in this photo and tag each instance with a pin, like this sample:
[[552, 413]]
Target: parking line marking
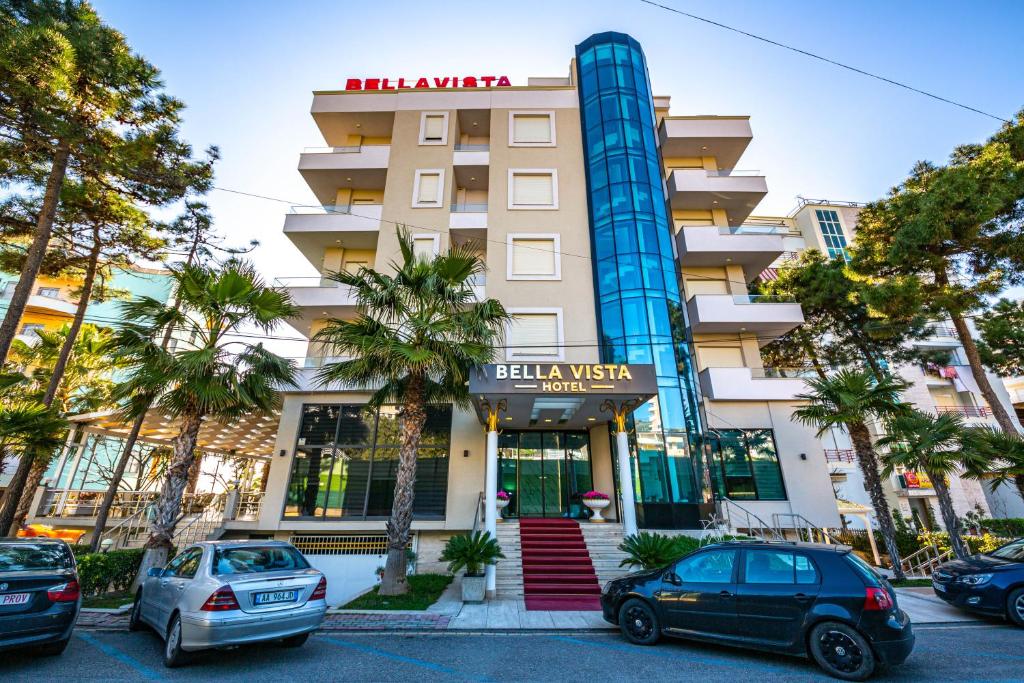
[[700, 659], [111, 651], [401, 658]]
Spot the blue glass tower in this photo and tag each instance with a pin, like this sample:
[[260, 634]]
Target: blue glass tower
[[640, 314]]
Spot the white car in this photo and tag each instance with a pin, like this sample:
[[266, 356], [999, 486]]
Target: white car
[[224, 593]]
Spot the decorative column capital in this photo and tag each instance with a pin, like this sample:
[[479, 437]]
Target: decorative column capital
[[620, 411], [493, 412]]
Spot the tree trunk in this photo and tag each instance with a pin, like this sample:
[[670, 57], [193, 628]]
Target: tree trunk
[[414, 416], [13, 495], [949, 517], [861, 438], [168, 505], [36, 251], [1019, 481], [978, 370], [28, 491], [115, 482]]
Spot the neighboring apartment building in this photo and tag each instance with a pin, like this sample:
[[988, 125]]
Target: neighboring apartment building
[[830, 227]]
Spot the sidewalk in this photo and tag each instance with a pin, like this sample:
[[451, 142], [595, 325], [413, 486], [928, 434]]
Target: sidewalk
[[924, 607]]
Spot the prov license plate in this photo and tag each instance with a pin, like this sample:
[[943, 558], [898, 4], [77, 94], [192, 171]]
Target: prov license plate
[[14, 598], [938, 586], [275, 597]]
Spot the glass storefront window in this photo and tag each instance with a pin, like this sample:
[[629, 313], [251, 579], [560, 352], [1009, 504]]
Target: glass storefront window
[[544, 473]]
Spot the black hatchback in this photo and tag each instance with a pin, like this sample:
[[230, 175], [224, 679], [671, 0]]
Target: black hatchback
[[39, 594], [793, 598]]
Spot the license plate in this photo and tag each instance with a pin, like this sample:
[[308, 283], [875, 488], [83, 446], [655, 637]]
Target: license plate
[[275, 597], [14, 598], [938, 586]]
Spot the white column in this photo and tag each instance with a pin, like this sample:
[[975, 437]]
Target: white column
[[491, 500], [625, 483]]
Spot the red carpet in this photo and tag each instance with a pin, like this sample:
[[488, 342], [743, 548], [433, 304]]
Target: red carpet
[[557, 572]]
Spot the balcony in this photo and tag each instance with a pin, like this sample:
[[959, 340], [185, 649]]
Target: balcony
[[748, 384], [754, 247], [51, 304], [471, 155], [317, 298], [325, 169], [737, 192], [722, 137], [315, 228], [840, 455], [766, 316], [967, 412], [942, 337], [468, 217]]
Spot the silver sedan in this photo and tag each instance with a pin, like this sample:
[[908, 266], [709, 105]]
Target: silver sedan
[[225, 593]]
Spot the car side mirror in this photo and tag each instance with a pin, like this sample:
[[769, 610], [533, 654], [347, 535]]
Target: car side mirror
[[673, 578], [155, 571]]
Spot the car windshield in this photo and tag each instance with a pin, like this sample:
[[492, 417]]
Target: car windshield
[[257, 559], [1011, 551], [20, 557]]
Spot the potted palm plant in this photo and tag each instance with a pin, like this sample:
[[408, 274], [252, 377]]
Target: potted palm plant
[[474, 553], [596, 501]]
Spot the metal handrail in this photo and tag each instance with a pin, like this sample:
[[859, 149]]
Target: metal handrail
[[762, 525], [250, 504], [202, 524], [932, 559], [805, 525], [479, 510], [129, 524]]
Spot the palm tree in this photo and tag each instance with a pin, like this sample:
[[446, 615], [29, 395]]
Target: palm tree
[[849, 399], [415, 338], [210, 373], [919, 441], [995, 455]]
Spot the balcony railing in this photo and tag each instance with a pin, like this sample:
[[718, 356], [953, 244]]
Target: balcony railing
[[731, 172], [76, 503], [472, 148], [332, 150], [943, 331], [314, 210], [748, 229], [783, 373], [320, 361], [966, 411], [303, 281], [762, 299], [250, 504], [469, 208], [840, 455]]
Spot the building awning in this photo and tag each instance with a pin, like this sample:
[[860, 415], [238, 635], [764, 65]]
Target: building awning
[[250, 435], [558, 395]]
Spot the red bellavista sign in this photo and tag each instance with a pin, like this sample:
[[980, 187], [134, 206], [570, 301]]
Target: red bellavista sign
[[434, 82]]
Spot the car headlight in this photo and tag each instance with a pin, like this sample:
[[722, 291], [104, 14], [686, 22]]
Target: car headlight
[[605, 588], [975, 579]]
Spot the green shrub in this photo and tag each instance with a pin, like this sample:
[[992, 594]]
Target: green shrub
[[1008, 528], [472, 552], [649, 550], [114, 570], [976, 544], [79, 549]]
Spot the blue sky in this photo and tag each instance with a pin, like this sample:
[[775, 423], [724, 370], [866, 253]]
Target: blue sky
[[246, 70]]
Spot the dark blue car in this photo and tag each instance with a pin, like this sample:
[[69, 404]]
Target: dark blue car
[[990, 583], [39, 594]]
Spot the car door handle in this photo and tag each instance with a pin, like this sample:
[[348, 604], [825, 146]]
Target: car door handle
[[725, 594], [802, 597]]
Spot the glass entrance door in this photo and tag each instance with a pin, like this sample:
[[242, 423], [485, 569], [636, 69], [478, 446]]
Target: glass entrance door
[[544, 473]]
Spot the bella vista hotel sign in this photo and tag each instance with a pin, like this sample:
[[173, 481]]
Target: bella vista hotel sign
[[423, 83], [563, 378]]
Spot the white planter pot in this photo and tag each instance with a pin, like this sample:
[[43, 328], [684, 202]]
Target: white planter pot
[[474, 588], [500, 505], [596, 506]]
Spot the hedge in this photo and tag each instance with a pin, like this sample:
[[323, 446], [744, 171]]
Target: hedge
[[1008, 528], [114, 570]]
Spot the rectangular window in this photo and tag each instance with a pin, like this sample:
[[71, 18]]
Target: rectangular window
[[428, 185], [32, 328], [531, 129], [425, 246], [535, 334], [51, 292], [346, 461], [832, 233], [434, 128], [354, 266], [532, 189], [745, 464], [533, 257]]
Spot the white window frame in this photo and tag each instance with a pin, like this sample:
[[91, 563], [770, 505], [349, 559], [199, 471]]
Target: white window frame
[[510, 356], [434, 237], [510, 241], [423, 128], [512, 172], [550, 113], [439, 202]]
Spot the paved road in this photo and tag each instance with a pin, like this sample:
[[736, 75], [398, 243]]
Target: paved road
[[956, 652]]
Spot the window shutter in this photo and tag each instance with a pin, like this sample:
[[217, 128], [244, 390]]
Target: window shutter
[[533, 189], [354, 266], [534, 334], [533, 257], [423, 248], [531, 128], [429, 186], [433, 127]]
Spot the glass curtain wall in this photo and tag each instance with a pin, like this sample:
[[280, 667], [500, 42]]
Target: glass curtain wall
[[544, 473], [640, 312]]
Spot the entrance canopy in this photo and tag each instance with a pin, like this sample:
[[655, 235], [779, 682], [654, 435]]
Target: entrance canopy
[[558, 395]]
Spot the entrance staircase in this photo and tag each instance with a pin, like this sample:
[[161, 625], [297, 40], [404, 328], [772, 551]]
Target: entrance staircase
[[557, 570]]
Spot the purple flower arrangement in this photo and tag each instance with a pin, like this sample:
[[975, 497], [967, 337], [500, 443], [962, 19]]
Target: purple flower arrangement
[[595, 495], [503, 495]]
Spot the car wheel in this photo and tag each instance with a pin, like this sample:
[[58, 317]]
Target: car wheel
[[639, 623], [1015, 606], [295, 641], [135, 618], [54, 649], [173, 654], [841, 651]]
